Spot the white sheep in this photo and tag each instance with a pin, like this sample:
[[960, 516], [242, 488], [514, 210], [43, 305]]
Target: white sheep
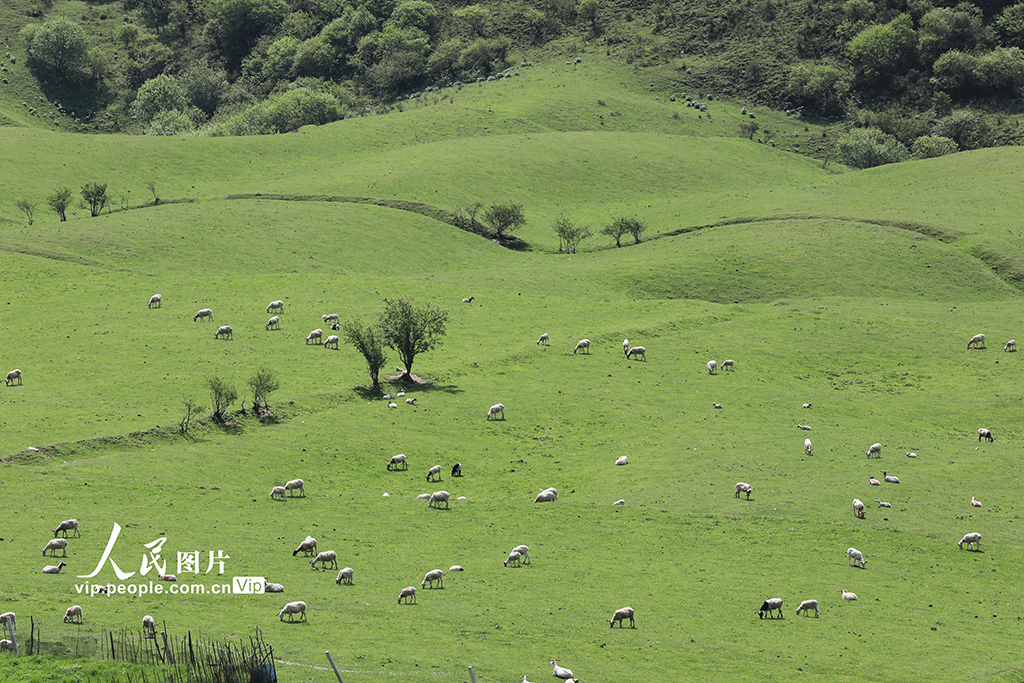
[[329, 317], [625, 346], [806, 606], [397, 461], [12, 376], [325, 557], [975, 340], [858, 508], [345, 576], [970, 539], [848, 595], [524, 552], [806, 405], [307, 547], [275, 306], [561, 672], [315, 336], [494, 410], [423, 496], [277, 492], [432, 576], [273, 323], [6, 645], [808, 447], [769, 606], [224, 331], [552, 490], [438, 497], [434, 471], [400, 394], [1010, 346], [203, 314], [873, 481], [582, 344], [543, 339], [149, 626], [712, 367], [975, 503], [272, 587], [911, 455], [3, 620], [806, 428], [468, 300], [295, 485], [293, 608], [514, 558], [622, 460], [728, 365], [743, 487], [882, 503], [456, 568], [407, 593], [620, 501], [331, 341], [875, 449], [66, 526], [638, 352], [155, 301], [621, 614], [56, 544], [167, 577], [411, 401], [985, 434], [855, 557], [546, 497], [889, 479], [73, 614]]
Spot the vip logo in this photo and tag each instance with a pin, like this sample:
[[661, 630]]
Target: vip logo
[[247, 585]]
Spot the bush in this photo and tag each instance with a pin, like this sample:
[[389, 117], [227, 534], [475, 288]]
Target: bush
[[1010, 25], [1001, 72], [883, 50], [954, 72], [930, 146], [173, 122], [485, 55], [283, 112], [156, 95], [943, 28], [868, 147], [965, 127], [823, 88], [58, 51]]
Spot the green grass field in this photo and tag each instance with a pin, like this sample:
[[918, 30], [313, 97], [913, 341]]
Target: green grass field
[[856, 292]]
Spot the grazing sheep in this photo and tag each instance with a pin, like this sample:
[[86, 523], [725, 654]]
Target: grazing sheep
[[293, 608], [855, 557], [858, 508], [456, 568], [494, 410], [13, 375], [407, 592], [911, 455], [639, 352], [712, 367], [769, 606], [149, 626], [582, 344], [806, 428], [203, 314], [969, 539], [3, 620], [468, 300], [315, 336], [335, 326], [438, 497], [307, 547], [397, 461], [873, 481], [620, 501], [411, 401], [332, 341], [329, 317], [728, 365], [156, 301], [457, 469], [524, 551], [275, 306], [848, 595], [324, 558], [625, 346], [423, 496], [167, 577], [882, 503], [345, 576], [985, 434], [546, 497], [272, 587], [65, 526], [56, 544], [561, 672], [743, 487], [273, 323], [6, 645], [74, 614], [432, 576], [1010, 345], [543, 339], [513, 558], [225, 331], [620, 614], [889, 479], [716, 406], [806, 606], [295, 485], [622, 460], [975, 503], [875, 449], [806, 405], [975, 340], [277, 492], [808, 447], [434, 471]]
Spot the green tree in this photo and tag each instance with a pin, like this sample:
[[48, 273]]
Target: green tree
[[58, 50], [411, 330], [822, 88], [157, 95], [222, 394], [191, 408], [588, 11], [749, 128], [235, 26], [569, 235], [370, 343], [954, 72], [967, 128], [417, 14], [930, 146], [204, 86], [636, 228], [262, 383], [28, 207], [173, 122], [616, 230], [868, 147], [883, 50], [95, 196], [59, 200], [1010, 25], [504, 218], [485, 55], [476, 18], [945, 28]]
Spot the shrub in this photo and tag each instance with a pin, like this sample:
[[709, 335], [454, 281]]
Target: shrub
[[965, 127], [156, 95], [1000, 72], [868, 147], [882, 50], [1010, 25], [954, 71], [58, 50], [930, 146], [943, 28], [485, 55], [173, 122], [822, 88], [283, 112]]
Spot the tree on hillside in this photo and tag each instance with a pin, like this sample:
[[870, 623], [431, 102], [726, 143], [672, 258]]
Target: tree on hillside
[[569, 235], [191, 407], [636, 228], [882, 51], [369, 342], [262, 383], [869, 147], [59, 200], [95, 195], [222, 394], [504, 218], [588, 11], [58, 50], [616, 230], [28, 207], [411, 330]]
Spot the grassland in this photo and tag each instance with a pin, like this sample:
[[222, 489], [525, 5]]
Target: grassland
[[855, 292]]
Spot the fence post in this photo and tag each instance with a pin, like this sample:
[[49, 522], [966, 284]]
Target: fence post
[[10, 631], [167, 647], [336, 672], [472, 676]]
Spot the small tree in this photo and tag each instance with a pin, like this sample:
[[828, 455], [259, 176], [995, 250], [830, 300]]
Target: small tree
[[411, 330], [262, 383], [222, 394], [569, 235], [636, 228], [95, 195], [748, 129], [59, 200], [588, 10], [192, 409], [369, 342], [618, 228], [504, 218], [29, 207], [152, 188]]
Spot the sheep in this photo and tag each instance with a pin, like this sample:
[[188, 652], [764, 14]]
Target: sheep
[[561, 672], [524, 551], [712, 367], [293, 608], [457, 469], [307, 547], [808, 447], [975, 503], [456, 568], [225, 331], [345, 576], [625, 346], [400, 394], [620, 501], [273, 323], [985, 434], [888, 478], [335, 326], [397, 461], [423, 496], [65, 526], [975, 340], [769, 606], [969, 539], [875, 449], [407, 593], [552, 490], [329, 317], [639, 352], [620, 615], [855, 557], [203, 314], [411, 401], [806, 405], [873, 481], [858, 508], [1010, 346], [434, 471], [56, 544], [438, 497], [546, 497], [622, 460], [295, 485], [543, 339], [847, 595], [494, 410], [13, 375], [728, 365], [743, 487], [911, 455], [3, 620], [275, 306], [582, 344], [167, 577], [277, 492], [332, 341], [468, 300], [392, 404], [514, 558], [155, 301], [806, 428], [717, 406], [149, 626], [73, 615], [325, 557], [882, 503], [272, 587], [315, 336], [432, 576], [806, 606], [6, 645]]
